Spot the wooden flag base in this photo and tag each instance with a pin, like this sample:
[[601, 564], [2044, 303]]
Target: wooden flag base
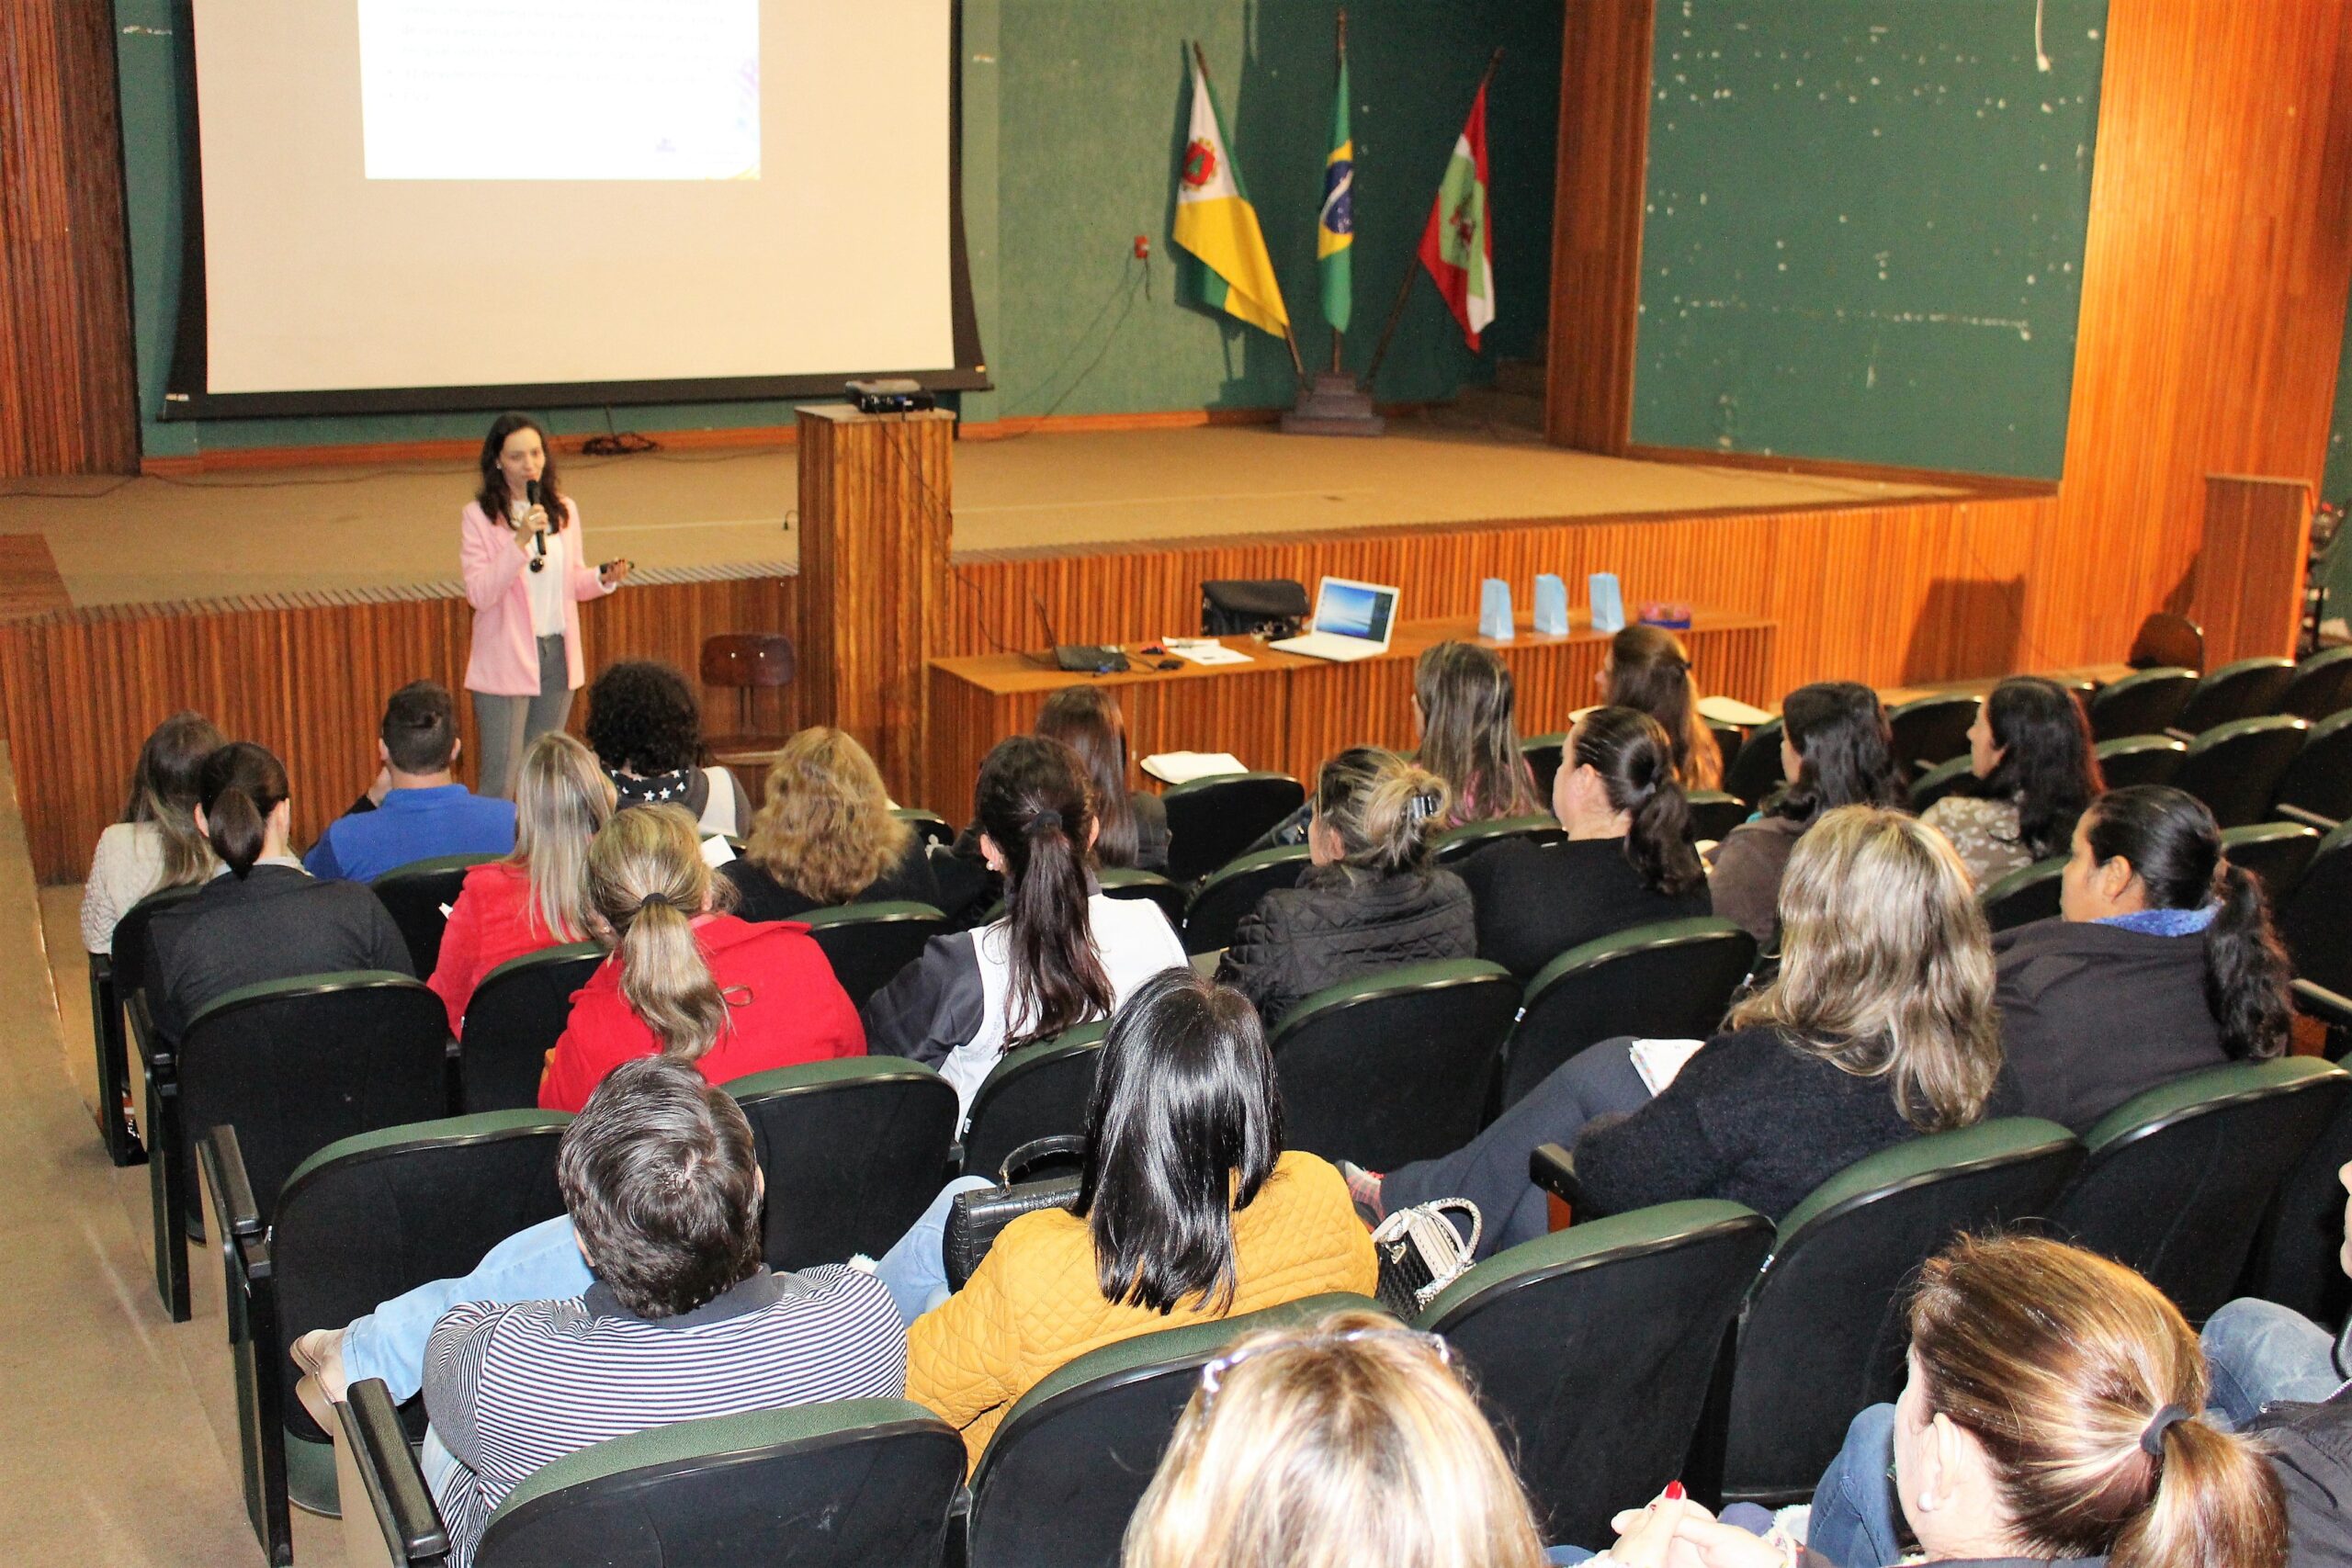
[[1332, 404]]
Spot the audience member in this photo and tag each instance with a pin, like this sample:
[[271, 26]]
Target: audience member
[[646, 728], [1188, 1208], [1647, 669], [1880, 1026], [825, 836], [260, 916], [1837, 751], [2162, 962], [683, 1321], [1372, 900], [1062, 955], [425, 811], [537, 896], [1132, 823], [1628, 862], [685, 980], [1465, 707], [2031, 771], [157, 843], [1351, 1442], [2055, 1412]]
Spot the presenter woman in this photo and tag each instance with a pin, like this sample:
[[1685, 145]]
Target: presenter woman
[[525, 571]]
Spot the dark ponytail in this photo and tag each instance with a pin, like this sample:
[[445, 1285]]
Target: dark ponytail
[[1032, 802], [238, 787], [2173, 846], [1635, 757]]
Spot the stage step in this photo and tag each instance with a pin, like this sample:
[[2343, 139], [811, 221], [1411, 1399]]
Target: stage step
[[1494, 406]]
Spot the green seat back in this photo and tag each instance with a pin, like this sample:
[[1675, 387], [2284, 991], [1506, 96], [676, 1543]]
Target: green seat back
[[867, 944], [1456, 843], [1669, 980], [854, 1150], [1234, 889], [2027, 893], [514, 1019], [2236, 767], [1037, 1091]]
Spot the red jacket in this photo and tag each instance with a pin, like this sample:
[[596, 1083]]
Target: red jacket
[[492, 920], [784, 1008]]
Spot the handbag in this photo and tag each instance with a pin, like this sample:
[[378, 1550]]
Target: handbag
[[1272, 607], [974, 1218], [1421, 1253]]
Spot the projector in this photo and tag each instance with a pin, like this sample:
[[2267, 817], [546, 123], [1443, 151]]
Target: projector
[[895, 394]]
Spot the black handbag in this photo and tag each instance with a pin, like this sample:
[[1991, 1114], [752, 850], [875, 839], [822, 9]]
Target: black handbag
[[1270, 607], [974, 1218]]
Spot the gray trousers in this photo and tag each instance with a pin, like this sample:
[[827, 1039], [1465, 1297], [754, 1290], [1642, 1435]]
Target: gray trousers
[[504, 726]]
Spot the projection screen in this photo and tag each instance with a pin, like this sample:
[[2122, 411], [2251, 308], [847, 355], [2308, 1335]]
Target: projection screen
[[430, 204]]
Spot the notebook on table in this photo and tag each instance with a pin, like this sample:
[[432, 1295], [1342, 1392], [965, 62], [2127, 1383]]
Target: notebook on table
[[1353, 620]]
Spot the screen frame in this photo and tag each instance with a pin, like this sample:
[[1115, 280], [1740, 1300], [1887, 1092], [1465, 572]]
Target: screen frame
[[1380, 591], [186, 394]]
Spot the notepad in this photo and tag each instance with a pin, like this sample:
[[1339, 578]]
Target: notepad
[[717, 852], [1659, 1061], [1204, 650], [1183, 767], [1731, 710]]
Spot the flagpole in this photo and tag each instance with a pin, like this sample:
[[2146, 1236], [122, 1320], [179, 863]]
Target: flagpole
[[1412, 269], [1297, 366], [1339, 334]]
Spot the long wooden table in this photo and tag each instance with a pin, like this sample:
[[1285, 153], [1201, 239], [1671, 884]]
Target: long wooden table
[[1286, 712]]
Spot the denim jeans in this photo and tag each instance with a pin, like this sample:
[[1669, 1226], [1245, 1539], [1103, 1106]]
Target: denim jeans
[[915, 1269], [1856, 1519], [2259, 1353], [541, 1263]]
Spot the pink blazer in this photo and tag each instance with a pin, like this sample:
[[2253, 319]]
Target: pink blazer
[[505, 658]]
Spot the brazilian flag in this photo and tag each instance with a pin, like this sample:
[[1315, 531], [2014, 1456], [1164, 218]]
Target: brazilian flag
[[1335, 228]]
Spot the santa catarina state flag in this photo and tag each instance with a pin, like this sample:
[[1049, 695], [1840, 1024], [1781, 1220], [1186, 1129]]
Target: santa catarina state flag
[[1216, 222], [1458, 246], [1335, 226]]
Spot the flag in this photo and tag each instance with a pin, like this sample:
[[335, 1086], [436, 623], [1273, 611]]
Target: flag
[[1335, 227], [1217, 223], [1458, 246]]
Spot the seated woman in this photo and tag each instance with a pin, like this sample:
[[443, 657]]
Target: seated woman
[[825, 836], [2031, 771], [157, 843], [685, 979], [537, 896], [260, 916], [646, 728], [1837, 751], [2162, 962], [1628, 861], [1064, 955], [1188, 1208], [2055, 1412], [1647, 669], [1879, 1027], [1350, 1440], [1372, 898]]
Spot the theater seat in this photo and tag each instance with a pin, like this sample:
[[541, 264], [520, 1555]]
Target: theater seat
[[1070, 1461], [2276, 852], [115, 978], [1591, 1351], [2178, 1178], [2235, 768], [2317, 787], [2140, 759], [2025, 895], [1037, 1091], [1938, 782], [1121, 882], [1393, 1066], [1928, 730], [854, 1150], [2322, 686], [363, 1219], [514, 1019], [2144, 703], [1211, 820], [2245, 688], [1542, 754], [928, 826], [1754, 771], [1233, 890], [842, 1484], [1668, 981], [2315, 919], [417, 894], [1458, 843], [867, 944], [2166, 638], [2298, 1252]]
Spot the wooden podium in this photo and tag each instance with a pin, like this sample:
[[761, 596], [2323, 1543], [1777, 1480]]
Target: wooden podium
[[2248, 590], [876, 498]]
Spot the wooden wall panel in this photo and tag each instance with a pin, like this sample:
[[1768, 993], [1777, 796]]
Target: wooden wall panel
[[1597, 222], [67, 405]]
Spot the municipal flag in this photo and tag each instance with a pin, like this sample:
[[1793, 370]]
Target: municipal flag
[[1458, 246], [1335, 228], [1217, 223]]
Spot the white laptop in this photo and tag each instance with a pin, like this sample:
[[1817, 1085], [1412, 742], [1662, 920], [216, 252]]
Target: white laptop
[[1353, 620]]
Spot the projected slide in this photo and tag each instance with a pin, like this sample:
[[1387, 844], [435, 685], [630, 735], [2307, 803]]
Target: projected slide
[[560, 90]]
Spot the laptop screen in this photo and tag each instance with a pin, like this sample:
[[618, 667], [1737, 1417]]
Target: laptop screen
[[1353, 610]]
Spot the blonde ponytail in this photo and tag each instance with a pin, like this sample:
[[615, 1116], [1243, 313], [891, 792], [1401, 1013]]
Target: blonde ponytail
[[647, 882], [1384, 809], [2217, 1503]]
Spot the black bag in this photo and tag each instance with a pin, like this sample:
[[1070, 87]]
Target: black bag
[[1270, 607], [974, 1218]]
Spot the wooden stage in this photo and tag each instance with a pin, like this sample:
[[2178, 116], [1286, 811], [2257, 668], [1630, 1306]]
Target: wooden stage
[[345, 593]]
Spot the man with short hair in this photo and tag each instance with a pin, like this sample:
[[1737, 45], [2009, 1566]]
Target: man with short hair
[[423, 810], [681, 1321]]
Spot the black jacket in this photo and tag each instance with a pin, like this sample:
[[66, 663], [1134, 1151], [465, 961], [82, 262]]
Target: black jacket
[[276, 923], [1536, 902], [2311, 1449], [1329, 928], [2091, 1015], [760, 896]]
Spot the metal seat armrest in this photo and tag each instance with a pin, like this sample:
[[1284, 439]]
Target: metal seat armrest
[[224, 1173], [2331, 1008], [155, 1051], [2179, 734], [2308, 818], [378, 1449], [1554, 1169]]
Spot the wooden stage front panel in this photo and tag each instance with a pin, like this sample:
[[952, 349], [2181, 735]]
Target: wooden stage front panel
[[1288, 713]]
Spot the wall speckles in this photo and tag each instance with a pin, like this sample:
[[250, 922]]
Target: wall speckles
[[1864, 229]]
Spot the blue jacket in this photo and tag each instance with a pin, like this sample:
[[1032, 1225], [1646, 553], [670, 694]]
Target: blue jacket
[[412, 824]]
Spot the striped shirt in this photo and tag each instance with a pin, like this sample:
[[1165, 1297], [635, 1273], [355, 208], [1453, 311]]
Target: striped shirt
[[510, 1389]]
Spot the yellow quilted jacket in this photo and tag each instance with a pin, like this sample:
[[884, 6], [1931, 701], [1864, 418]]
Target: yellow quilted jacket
[[1033, 1304]]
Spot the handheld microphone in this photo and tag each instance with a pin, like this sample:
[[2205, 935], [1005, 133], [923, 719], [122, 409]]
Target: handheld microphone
[[539, 538]]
